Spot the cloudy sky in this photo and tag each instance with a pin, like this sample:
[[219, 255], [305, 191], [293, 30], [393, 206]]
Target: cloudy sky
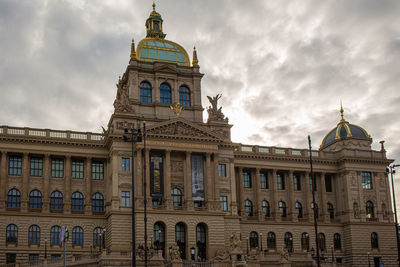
[[282, 66]]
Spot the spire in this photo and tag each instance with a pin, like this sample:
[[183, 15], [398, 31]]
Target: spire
[[341, 112], [133, 52], [195, 61], [154, 6], [154, 24]]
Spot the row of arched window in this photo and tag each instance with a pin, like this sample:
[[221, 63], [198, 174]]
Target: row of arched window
[[159, 237], [34, 235], [266, 209], [56, 200], [165, 94], [305, 241]]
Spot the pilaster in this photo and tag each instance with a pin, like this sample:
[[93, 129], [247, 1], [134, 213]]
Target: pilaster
[[274, 191], [324, 204], [188, 181], [138, 169], [3, 179], [257, 188], [46, 183], [167, 183], [25, 182], [209, 185], [292, 208], [67, 184], [88, 185], [241, 192], [308, 197]]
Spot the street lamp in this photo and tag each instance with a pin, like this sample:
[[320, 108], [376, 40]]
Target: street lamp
[[261, 242], [135, 136], [159, 239], [247, 245], [391, 170], [192, 252], [45, 248], [369, 264], [332, 253]]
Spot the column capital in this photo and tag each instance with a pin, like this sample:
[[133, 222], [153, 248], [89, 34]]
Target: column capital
[[188, 153], [25, 154], [3, 152], [290, 172]]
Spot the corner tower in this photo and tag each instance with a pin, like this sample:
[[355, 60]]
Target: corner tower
[[159, 79]]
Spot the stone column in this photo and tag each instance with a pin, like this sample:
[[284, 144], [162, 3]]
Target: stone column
[[258, 195], [147, 174], [167, 179], [378, 204], [274, 204], [138, 169], [241, 192], [88, 185], [25, 182], [188, 182], [3, 180], [292, 207], [67, 184], [214, 178], [324, 204], [308, 195], [46, 183], [208, 184]]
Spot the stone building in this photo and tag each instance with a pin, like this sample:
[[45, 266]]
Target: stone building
[[203, 189]]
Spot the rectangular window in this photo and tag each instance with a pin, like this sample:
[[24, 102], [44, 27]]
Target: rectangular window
[[246, 179], [125, 199], [78, 169], [33, 257], [311, 182], [222, 170], [280, 181], [97, 170], [366, 180], [328, 183], [36, 167], [125, 164], [224, 203], [296, 182], [57, 168], [15, 165], [263, 180]]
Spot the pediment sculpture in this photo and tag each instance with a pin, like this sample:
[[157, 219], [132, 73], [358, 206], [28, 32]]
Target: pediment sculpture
[[179, 129], [215, 113]]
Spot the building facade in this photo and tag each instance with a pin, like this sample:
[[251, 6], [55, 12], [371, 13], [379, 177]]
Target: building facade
[[202, 188]]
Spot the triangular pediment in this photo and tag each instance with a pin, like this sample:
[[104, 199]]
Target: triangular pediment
[[182, 129], [159, 67]]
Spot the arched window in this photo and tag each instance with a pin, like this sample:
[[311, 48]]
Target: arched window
[[265, 208], [282, 208], [77, 201], [271, 240], [55, 235], [77, 236], [11, 233], [253, 238], [14, 198], [331, 211], [97, 202], [201, 241], [321, 241], [305, 242], [299, 209], [184, 96], [315, 209], [159, 237], [374, 240], [337, 244], [248, 206], [180, 238], [98, 236], [289, 241], [176, 197], [35, 199], [34, 234], [145, 92], [165, 93], [56, 200], [369, 208]]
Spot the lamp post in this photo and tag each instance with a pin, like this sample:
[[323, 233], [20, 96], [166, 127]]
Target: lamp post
[[392, 171], [313, 199], [45, 248], [192, 252], [159, 239], [135, 136], [247, 245], [332, 253], [261, 242]]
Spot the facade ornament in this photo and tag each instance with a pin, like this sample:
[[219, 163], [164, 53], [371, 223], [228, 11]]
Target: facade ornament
[[215, 113], [133, 52], [177, 108], [195, 61], [235, 245], [221, 255], [356, 210], [284, 254], [175, 255], [121, 103]]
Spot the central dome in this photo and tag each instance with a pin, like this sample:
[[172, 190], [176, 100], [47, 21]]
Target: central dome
[[155, 48]]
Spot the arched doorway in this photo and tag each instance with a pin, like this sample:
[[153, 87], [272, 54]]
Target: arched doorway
[[201, 241], [159, 237], [180, 238]]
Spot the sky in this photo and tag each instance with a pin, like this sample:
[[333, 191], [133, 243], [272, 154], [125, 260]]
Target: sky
[[283, 67]]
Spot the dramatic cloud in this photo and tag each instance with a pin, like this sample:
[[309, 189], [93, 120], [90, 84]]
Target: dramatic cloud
[[282, 66]]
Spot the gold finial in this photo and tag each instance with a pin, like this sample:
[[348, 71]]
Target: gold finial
[[195, 61], [119, 79], [341, 111], [177, 108], [154, 6], [133, 51]]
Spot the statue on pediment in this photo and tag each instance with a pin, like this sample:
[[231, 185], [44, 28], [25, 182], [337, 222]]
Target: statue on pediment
[[215, 113], [121, 102]]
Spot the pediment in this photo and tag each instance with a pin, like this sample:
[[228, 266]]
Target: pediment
[[181, 129], [160, 67]]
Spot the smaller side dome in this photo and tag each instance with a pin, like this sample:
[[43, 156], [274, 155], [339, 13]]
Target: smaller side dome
[[344, 130]]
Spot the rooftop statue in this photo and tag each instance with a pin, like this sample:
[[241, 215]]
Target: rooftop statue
[[215, 113]]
